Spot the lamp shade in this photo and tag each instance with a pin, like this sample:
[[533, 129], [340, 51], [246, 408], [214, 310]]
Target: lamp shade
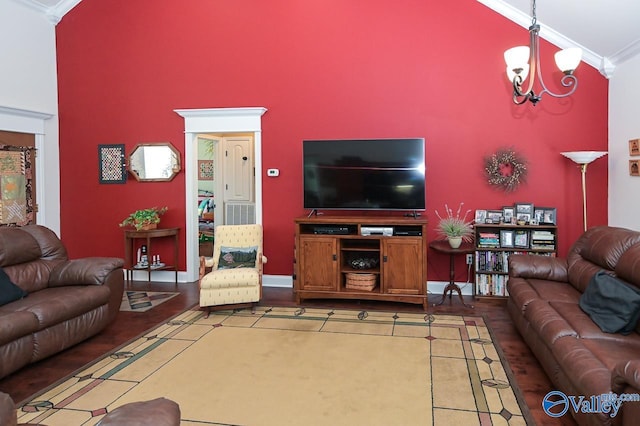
[[584, 157], [568, 59], [517, 57]]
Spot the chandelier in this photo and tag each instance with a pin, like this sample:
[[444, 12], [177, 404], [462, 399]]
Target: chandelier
[[524, 61]]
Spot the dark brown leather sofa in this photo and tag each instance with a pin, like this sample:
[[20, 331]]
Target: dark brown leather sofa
[[67, 300], [156, 412], [579, 358]]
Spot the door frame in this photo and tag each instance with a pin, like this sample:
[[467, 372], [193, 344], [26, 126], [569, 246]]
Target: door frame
[[214, 120]]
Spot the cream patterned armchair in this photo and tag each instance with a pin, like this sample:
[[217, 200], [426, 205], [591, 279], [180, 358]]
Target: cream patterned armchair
[[235, 279]]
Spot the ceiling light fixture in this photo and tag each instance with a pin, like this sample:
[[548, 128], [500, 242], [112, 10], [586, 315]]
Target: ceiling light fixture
[[523, 61]]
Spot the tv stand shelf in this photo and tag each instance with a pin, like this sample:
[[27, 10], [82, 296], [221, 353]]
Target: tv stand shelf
[[330, 248]]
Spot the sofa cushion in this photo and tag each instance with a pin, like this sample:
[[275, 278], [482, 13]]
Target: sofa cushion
[[601, 247], [52, 306], [611, 352], [14, 325], [547, 322], [588, 374], [611, 303], [9, 292]]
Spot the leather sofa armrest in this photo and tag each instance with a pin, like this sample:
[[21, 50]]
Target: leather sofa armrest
[[539, 267], [8, 413], [84, 271], [626, 375]]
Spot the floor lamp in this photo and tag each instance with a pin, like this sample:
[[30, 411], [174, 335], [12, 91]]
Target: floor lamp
[[583, 158]]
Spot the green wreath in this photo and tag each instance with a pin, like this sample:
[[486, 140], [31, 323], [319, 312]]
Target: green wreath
[[505, 169]]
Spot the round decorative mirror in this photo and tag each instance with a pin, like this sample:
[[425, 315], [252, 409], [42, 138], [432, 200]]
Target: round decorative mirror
[[153, 162]]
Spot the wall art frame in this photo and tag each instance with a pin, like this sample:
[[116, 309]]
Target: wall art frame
[[111, 163]]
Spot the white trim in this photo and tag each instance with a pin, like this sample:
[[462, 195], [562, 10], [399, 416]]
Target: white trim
[[551, 35], [53, 13], [215, 120], [23, 120], [434, 288], [33, 122], [280, 281]]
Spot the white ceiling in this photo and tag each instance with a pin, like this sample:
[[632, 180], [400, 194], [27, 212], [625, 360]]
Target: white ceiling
[[607, 30]]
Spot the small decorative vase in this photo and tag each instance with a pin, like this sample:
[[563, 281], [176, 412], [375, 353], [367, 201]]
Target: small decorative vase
[[455, 242]]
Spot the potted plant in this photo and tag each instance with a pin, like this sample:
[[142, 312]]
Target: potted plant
[[455, 228], [144, 219]]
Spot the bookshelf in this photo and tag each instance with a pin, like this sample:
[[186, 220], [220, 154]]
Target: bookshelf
[[496, 242]]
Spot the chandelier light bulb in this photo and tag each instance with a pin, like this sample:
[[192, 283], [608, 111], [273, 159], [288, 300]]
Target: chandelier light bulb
[[517, 57], [511, 74], [568, 60]]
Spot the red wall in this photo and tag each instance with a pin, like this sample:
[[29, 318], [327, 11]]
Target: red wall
[[324, 69]]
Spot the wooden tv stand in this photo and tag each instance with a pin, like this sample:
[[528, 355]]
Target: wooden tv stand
[[328, 247]]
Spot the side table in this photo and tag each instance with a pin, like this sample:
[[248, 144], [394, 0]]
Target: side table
[[129, 240], [445, 248]]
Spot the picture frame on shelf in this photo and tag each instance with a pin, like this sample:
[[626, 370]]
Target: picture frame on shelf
[[506, 238], [494, 216], [538, 213], [523, 217], [526, 208], [549, 216], [508, 214], [481, 216], [521, 239]]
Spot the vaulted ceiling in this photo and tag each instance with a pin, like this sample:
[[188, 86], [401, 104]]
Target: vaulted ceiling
[[606, 30]]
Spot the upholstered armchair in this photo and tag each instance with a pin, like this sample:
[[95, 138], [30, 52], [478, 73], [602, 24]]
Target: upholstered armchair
[[235, 279]]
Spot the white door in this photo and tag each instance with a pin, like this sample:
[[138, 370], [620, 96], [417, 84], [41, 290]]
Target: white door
[[238, 169]]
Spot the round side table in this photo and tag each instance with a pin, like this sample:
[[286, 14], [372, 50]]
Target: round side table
[[445, 248]]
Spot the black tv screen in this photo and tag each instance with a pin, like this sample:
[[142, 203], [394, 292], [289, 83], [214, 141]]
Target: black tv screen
[[385, 174]]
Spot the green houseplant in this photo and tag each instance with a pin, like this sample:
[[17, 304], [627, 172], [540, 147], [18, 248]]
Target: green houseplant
[[144, 219], [455, 228]]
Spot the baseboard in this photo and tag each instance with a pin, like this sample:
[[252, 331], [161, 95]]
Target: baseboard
[[433, 287], [286, 281], [281, 281]]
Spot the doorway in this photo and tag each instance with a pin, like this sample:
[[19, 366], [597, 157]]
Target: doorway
[[225, 185], [212, 122]]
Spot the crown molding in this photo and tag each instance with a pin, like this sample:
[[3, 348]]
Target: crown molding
[[606, 66], [55, 13]]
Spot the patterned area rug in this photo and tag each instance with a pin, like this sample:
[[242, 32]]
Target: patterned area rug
[[290, 366], [142, 301]]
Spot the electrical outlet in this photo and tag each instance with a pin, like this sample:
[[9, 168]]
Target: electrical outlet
[[469, 259]]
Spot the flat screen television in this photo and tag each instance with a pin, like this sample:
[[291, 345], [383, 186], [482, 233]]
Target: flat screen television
[[364, 174]]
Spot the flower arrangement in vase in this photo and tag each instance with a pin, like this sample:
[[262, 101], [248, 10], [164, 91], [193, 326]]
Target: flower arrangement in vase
[[455, 228], [144, 219]]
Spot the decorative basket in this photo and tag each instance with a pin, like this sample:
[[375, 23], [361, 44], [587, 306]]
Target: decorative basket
[[364, 262], [356, 281]]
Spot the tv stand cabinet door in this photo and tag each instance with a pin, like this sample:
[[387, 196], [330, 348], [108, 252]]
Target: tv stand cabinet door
[[402, 266], [318, 265]]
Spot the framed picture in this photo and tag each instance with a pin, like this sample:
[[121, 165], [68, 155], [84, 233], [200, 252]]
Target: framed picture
[[494, 216], [548, 215], [524, 208], [634, 147], [205, 169], [634, 167], [538, 213], [481, 216], [523, 217], [112, 163], [508, 214], [521, 239], [506, 238]]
